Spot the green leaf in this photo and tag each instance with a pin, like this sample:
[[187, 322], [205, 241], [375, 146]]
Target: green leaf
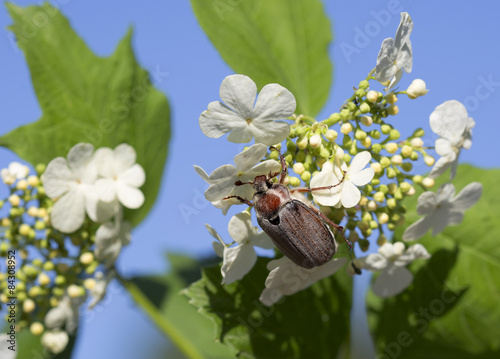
[[86, 98], [196, 331], [451, 310], [313, 323], [281, 41]]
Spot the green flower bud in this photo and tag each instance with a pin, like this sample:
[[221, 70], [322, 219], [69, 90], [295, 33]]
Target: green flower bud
[[360, 93], [398, 195], [407, 166], [376, 148], [58, 292], [301, 156], [379, 197], [364, 245], [406, 151], [360, 135], [383, 188], [414, 156], [274, 155], [418, 133], [346, 158], [367, 217], [288, 159], [391, 203], [393, 110], [392, 187], [364, 85], [35, 291], [417, 179], [324, 153], [385, 162], [381, 240], [372, 96], [351, 106], [391, 173], [364, 107], [290, 146], [346, 128], [40, 168], [394, 134], [331, 135], [374, 134], [391, 98], [345, 114], [366, 120], [60, 280], [375, 181], [363, 226], [306, 176], [405, 187], [353, 150], [334, 118], [294, 181], [386, 129], [302, 142], [383, 218]]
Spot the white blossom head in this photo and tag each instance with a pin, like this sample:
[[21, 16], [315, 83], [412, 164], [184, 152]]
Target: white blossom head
[[13, 172], [55, 341], [243, 117]]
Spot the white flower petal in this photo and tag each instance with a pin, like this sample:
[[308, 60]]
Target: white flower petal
[[350, 195], [105, 189], [374, 262], [238, 261], [133, 176], [468, 196], [68, 212], [219, 120], [445, 193], [274, 103], [213, 233], [270, 296], [404, 30], [405, 58], [359, 162], [238, 92], [440, 167], [80, 155], [250, 157], [55, 341], [385, 69], [201, 172], [391, 281], [417, 251], [387, 250], [240, 227], [218, 248], [242, 134], [418, 229], [363, 177], [262, 240], [443, 147], [97, 210], [395, 80], [449, 119], [222, 173], [270, 132], [103, 159], [263, 168], [124, 157], [128, 196], [427, 202], [57, 178]]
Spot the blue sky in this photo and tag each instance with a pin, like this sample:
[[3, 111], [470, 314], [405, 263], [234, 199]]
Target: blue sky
[[455, 52]]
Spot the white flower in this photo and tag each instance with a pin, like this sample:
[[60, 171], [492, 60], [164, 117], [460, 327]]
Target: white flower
[[244, 117], [395, 55], [14, 172], [223, 178], [110, 237], [5, 352], [347, 192], [70, 182], [287, 278], [240, 259], [122, 177], [64, 314], [442, 209], [416, 89], [450, 121], [55, 341], [391, 260], [98, 291]]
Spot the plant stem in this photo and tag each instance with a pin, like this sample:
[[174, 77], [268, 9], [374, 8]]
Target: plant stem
[[165, 326]]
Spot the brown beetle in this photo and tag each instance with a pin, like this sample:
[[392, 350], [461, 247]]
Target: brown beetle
[[299, 231]]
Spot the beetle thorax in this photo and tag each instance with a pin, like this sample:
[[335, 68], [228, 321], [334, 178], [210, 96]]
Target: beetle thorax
[[268, 203]]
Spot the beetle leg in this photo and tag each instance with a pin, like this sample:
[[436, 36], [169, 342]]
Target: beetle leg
[[304, 189], [284, 168], [241, 199]]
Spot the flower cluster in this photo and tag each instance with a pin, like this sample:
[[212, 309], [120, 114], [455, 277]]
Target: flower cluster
[[356, 153], [64, 226]]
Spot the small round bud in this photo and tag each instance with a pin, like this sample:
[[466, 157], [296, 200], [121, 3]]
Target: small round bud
[[428, 182], [306, 176], [360, 93], [86, 258], [367, 142], [302, 142], [417, 179], [383, 188], [334, 118], [75, 291], [367, 217], [298, 168], [372, 96], [377, 168], [60, 280], [89, 283], [364, 245], [414, 156], [24, 229], [381, 240], [346, 128], [411, 191], [345, 114], [364, 107], [372, 206], [392, 187], [376, 148], [346, 158], [33, 181], [391, 98], [393, 110], [36, 328], [300, 156], [429, 160], [294, 181], [32, 211], [405, 187], [14, 200], [391, 203], [374, 134], [366, 120], [416, 142], [383, 218], [373, 224], [48, 266], [416, 89], [351, 106], [391, 147], [394, 134], [391, 173], [363, 201], [331, 135], [386, 129], [29, 305], [360, 135], [364, 85], [398, 195], [363, 226], [320, 162], [406, 151], [315, 141], [43, 279], [385, 162], [397, 160], [379, 197], [22, 185]]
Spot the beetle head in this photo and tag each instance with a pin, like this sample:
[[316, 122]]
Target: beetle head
[[260, 184]]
